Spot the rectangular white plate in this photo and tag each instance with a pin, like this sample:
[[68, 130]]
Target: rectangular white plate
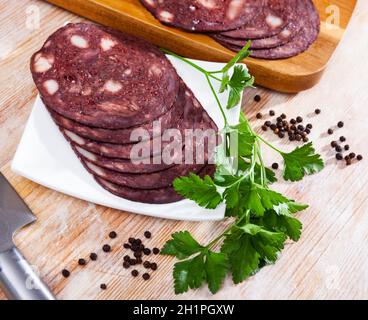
[[45, 157]]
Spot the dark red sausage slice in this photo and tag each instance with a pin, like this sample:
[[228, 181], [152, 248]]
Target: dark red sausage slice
[[104, 79], [202, 15], [153, 196]]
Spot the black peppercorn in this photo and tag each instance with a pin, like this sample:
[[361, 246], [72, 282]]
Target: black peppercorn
[[342, 139], [135, 273], [299, 119], [338, 148], [334, 144], [146, 276], [106, 248], [131, 240], [154, 266], [298, 137], [317, 111], [283, 116], [82, 262], [138, 254], [292, 121], [352, 155], [127, 246], [267, 123], [147, 264], [330, 131], [156, 250], [340, 124], [93, 256], [339, 156], [309, 126], [275, 166], [359, 157], [257, 98], [305, 139], [65, 273], [126, 264], [103, 286], [264, 128], [273, 126], [272, 113], [346, 147], [126, 258], [112, 235], [147, 251], [259, 115]]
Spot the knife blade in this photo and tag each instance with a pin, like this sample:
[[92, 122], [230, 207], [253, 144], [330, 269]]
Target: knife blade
[[17, 278]]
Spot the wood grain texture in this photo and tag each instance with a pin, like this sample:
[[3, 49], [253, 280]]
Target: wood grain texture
[[288, 75], [329, 262]]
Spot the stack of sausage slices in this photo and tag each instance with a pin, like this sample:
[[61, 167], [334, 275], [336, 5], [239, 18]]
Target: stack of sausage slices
[[277, 28], [115, 97]]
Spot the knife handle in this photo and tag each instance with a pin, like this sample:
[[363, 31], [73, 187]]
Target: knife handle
[[18, 280]]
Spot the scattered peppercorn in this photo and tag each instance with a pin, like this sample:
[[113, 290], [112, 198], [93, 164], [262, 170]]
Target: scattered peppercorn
[[126, 264], [283, 116], [340, 124], [156, 250], [359, 157], [65, 273], [317, 111], [264, 128], [133, 262], [305, 139], [352, 155], [146, 276], [281, 135], [147, 251], [126, 258], [82, 262], [299, 119], [127, 246], [292, 121], [93, 256], [259, 115], [138, 254], [147, 234], [272, 113], [135, 273], [147, 264], [309, 126], [153, 266], [339, 156], [342, 139], [138, 241], [348, 162], [103, 286], [330, 131], [131, 240], [275, 166], [338, 149], [106, 248], [334, 144], [298, 137], [257, 98], [113, 235], [300, 127], [267, 123], [346, 147]]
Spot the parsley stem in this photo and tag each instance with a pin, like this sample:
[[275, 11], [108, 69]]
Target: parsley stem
[[269, 144], [218, 101], [207, 73], [214, 241]]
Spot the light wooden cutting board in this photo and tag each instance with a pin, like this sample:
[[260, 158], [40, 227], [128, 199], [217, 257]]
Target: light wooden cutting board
[[289, 75]]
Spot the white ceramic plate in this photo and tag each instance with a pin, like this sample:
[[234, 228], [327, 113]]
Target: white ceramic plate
[[45, 157]]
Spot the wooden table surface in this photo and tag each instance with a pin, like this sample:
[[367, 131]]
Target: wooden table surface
[[329, 262]]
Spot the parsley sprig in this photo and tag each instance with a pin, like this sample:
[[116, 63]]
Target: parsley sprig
[[262, 219]]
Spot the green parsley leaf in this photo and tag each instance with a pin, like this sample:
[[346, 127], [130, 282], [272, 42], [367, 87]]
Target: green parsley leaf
[[189, 274], [248, 246], [241, 55], [182, 245], [202, 191], [259, 199], [207, 266], [303, 160], [237, 83], [216, 267]]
